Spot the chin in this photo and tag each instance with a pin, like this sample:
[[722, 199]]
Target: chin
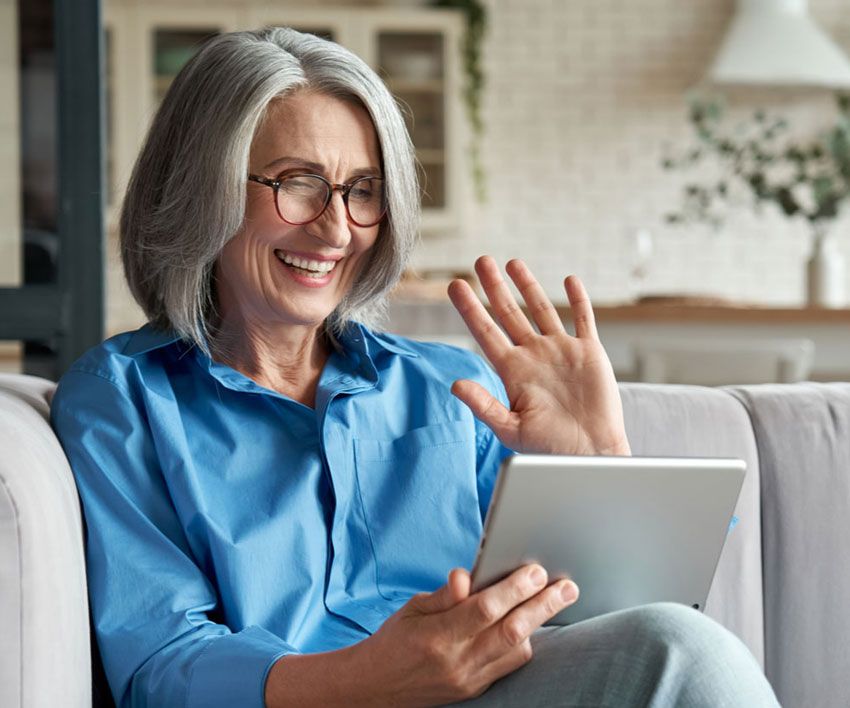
[[305, 316]]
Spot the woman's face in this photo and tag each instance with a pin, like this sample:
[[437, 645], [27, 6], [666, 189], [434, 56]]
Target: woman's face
[[256, 286]]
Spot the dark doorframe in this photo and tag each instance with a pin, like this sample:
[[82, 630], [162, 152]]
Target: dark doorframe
[[69, 315]]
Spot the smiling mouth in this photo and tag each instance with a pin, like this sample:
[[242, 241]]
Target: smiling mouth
[[304, 266]]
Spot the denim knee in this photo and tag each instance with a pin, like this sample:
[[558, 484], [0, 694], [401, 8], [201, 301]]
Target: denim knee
[[704, 659], [671, 627]]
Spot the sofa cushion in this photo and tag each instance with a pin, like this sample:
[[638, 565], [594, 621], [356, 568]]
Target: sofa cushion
[[803, 437], [44, 653], [692, 421]]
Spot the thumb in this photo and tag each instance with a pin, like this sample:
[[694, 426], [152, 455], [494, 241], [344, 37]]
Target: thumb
[[488, 409], [444, 598]]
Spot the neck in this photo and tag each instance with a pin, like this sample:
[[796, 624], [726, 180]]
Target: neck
[[285, 359]]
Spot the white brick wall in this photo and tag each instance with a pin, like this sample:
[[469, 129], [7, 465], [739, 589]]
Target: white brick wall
[[581, 97]]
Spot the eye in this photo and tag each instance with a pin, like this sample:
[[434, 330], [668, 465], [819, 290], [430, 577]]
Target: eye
[[365, 190], [302, 185]]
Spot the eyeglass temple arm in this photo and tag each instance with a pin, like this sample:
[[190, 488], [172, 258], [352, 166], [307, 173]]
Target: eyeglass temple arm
[[264, 180]]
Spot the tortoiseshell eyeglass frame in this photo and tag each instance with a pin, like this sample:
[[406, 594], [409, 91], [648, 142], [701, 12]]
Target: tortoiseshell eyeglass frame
[[344, 189]]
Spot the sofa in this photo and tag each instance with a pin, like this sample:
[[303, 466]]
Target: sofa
[[782, 583]]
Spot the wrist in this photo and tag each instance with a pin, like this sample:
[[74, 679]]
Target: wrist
[[324, 680], [622, 450], [618, 448]]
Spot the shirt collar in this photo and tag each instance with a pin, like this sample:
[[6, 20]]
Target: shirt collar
[[355, 337], [148, 338], [376, 341]]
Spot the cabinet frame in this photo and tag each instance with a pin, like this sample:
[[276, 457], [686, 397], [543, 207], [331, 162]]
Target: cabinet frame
[[133, 23]]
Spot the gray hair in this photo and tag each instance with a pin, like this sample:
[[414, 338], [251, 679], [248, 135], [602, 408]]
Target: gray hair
[[186, 196]]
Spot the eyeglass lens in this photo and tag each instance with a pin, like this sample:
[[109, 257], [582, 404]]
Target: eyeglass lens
[[302, 198]]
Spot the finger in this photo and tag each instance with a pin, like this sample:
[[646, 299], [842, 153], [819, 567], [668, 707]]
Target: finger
[[444, 598], [460, 583], [503, 304], [583, 318], [490, 338], [488, 606], [506, 664], [519, 624], [539, 306], [488, 409]]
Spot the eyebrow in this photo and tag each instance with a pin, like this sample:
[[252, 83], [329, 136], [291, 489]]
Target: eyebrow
[[315, 166]]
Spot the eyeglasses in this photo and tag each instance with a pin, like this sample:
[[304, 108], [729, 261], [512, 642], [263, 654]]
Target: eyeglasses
[[300, 199]]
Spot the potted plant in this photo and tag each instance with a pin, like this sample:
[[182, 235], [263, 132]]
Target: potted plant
[[760, 162], [476, 26]]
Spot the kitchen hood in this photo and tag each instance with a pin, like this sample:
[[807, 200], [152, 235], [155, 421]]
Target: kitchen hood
[[776, 42]]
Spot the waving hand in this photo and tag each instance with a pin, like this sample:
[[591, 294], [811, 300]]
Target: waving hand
[[562, 392]]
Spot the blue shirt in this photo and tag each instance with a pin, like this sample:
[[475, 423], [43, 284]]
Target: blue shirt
[[228, 525]]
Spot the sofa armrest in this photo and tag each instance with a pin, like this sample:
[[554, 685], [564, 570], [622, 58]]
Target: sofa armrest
[[803, 436], [44, 645]]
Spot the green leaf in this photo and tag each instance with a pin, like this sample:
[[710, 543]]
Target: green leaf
[[786, 201], [822, 189], [757, 183]]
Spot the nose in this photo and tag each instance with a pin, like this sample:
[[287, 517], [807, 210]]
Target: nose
[[332, 226]]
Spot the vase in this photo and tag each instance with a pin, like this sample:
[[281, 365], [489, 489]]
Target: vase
[[825, 271]]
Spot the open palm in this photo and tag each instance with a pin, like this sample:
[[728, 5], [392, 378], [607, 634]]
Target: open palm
[[562, 392]]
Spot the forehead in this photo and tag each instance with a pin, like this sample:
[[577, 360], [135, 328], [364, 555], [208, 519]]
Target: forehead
[[317, 128]]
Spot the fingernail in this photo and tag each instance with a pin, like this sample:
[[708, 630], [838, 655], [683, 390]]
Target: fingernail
[[569, 592], [538, 576]]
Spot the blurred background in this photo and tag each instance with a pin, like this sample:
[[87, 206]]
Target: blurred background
[[690, 161]]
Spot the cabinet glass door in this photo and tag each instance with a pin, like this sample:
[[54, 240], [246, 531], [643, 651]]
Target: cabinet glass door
[[413, 65], [172, 49]]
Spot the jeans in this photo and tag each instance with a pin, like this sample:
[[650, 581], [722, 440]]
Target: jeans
[[662, 654]]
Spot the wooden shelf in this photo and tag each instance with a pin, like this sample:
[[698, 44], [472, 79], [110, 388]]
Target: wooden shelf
[[725, 314], [433, 293]]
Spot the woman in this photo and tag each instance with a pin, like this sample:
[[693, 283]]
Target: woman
[[273, 491]]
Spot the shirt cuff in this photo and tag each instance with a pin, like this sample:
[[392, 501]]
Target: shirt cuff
[[232, 670]]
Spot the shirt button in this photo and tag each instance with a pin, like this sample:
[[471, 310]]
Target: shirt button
[[346, 380]]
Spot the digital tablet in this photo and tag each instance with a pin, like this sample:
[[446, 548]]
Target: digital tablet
[[627, 530]]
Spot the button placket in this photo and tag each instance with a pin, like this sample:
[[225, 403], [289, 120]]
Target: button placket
[[352, 558]]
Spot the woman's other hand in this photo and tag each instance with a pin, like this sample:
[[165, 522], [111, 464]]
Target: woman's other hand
[[451, 645], [562, 391], [441, 647]]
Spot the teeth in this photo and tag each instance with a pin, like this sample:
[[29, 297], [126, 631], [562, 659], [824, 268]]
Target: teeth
[[315, 268]]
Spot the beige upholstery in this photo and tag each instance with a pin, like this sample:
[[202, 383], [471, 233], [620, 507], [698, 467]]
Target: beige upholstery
[[44, 640], [694, 421], [799, 499]]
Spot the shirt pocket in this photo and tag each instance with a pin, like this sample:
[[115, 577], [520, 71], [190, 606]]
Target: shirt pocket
[[420, 503]]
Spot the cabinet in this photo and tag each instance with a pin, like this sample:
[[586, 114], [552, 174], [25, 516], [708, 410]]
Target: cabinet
[[416, 51]]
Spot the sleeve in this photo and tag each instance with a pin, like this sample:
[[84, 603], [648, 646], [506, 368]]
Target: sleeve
[[490, 451], [149, 599]]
